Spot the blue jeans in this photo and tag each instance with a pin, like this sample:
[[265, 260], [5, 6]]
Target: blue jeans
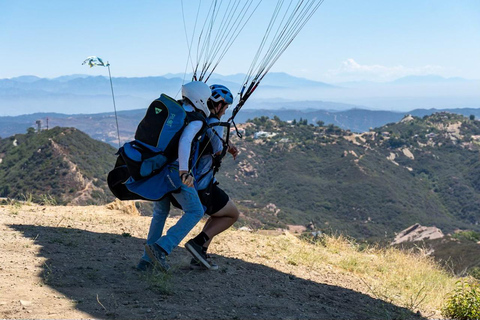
[[188, 199]]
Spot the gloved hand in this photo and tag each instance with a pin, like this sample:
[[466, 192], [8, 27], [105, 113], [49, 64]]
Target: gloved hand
[[187, 178]]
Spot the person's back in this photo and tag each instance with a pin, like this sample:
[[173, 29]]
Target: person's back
[[211, 146]]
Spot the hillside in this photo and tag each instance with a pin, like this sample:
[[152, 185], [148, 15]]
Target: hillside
[[458, 252], [78, 262], [371, 185], [61, 165]]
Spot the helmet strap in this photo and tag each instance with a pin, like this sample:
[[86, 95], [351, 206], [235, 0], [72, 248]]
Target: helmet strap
[[187, 101]]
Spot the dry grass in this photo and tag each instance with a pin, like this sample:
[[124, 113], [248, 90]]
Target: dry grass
[[411, 280], [127, 207], [407, 279]]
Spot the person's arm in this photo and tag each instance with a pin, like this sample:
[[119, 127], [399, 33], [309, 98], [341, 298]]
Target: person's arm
[[184, 149], [218, 144], [233, 151]]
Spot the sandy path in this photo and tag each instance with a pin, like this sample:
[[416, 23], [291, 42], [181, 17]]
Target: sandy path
[[77, 262]]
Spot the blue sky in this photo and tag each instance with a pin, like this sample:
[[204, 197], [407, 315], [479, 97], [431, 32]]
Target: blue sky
[[346, 40]]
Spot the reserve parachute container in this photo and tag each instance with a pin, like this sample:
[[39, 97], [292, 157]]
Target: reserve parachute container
[[155, 146]]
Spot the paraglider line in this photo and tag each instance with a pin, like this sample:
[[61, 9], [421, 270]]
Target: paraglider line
[[114, 106]]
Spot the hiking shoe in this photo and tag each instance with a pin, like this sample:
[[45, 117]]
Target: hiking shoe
[[144, 265], [197, 253], [195, 265], [158, 256]]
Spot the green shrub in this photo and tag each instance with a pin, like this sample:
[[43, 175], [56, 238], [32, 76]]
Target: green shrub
[[464, 302], [468, 235], [474, 272]]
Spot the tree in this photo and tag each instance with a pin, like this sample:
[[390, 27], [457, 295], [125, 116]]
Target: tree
[[320, 123], [472, 117], [330, 129]]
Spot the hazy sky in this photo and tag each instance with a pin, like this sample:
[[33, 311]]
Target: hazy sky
[[346, 40]]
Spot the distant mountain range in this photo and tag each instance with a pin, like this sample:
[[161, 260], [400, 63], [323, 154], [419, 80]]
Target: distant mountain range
[[84, 94], [89, 94], [429, 79], [102, 126]]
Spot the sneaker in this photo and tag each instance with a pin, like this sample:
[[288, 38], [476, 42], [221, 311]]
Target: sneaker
[[144, 265], [197, 253], [195, 265], [156, 253]]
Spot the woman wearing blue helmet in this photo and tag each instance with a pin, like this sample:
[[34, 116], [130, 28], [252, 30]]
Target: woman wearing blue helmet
[[221, 210], [220, 94]]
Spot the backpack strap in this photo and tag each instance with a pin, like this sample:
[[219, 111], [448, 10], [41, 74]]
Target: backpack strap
[[196, 152]]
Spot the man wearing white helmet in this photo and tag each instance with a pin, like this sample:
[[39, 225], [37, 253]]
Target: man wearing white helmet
[[195, 96]]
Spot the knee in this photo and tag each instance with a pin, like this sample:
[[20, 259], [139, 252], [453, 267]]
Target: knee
[[199, 212], [235, 213], [160, 209], [235, 217]]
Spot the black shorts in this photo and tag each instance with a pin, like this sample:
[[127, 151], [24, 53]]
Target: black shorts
[[218, 200]]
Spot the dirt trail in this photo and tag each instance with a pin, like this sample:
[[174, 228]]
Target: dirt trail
[[78, 262]]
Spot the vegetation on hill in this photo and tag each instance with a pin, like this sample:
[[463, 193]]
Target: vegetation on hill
[[61, 165], [371, 185], [458, 252], [464, 302]]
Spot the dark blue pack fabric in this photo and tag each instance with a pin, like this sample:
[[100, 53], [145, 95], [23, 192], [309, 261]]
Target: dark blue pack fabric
[[155, 187], [146, 168], [156, 138], [141, 159]]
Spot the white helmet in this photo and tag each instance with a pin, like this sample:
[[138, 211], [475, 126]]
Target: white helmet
[[197, 92]]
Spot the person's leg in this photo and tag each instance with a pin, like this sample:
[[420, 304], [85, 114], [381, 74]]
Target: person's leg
[[220, 221], [161, 209], [188, 199], [223, 214]]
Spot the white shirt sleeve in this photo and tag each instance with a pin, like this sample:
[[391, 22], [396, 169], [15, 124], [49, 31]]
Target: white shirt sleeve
[[185, 144]]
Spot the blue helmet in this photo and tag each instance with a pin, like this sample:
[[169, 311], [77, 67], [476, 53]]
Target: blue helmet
[[221, 93]]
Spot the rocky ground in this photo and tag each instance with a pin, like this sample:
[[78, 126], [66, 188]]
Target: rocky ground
[[78, 262]]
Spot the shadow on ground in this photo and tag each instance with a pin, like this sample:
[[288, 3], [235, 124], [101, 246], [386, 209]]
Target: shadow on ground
[[84, 265]]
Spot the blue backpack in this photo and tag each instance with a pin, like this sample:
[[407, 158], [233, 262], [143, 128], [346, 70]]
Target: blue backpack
[[141, 162], [156, 138], [143, 169]]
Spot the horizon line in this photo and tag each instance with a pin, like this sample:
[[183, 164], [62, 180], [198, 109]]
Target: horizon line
[[175, 75]]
